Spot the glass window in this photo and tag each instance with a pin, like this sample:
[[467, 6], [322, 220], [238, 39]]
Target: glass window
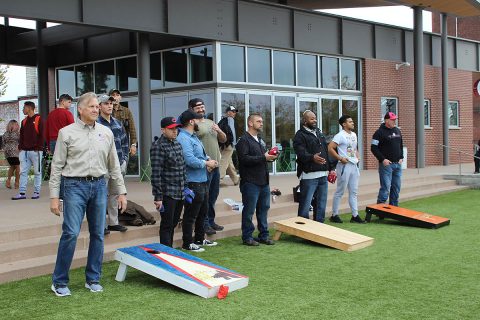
[[127, 74], [329, 73], [350, 107], [426, 110], [104, 76], [259, 68], [283, 68], [388, 105], [349, 80], [233, 63], [156, 101], [155, 71], [453, 113], [307, 75], [175, 105], [330, 126], [84, 76], [207, 98], [175, 65], [262, 104], [133, 167], [238, 101], [284, 132], [304, 106], [66, 81], [201, 68]]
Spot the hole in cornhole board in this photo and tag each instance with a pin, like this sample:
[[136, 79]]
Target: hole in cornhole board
[[387, 207], [299, 222]]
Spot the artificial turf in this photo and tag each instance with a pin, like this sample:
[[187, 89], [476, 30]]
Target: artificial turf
[[408, 273]]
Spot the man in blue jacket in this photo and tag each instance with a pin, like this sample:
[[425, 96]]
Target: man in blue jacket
[[197, 163]]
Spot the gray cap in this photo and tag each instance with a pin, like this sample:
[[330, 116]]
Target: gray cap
[[104, 98]]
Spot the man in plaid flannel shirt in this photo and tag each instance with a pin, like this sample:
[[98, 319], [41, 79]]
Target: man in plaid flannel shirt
[[121, 144], [168, 178]]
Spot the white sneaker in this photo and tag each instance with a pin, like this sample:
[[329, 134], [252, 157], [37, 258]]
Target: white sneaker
[[94, 287], [206, 243], [193, 247]]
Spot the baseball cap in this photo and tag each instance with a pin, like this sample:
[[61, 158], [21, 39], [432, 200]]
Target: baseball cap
[[113, 91], [169, 123], [104, 98], [194, 102], [391, 116], [231, 108], [188, 115]]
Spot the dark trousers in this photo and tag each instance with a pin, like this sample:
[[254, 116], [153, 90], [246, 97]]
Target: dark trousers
[[256, 199], [477, 162], [213, 191], [194, 214], [172, 209]]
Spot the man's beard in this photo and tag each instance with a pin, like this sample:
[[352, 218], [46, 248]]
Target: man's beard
[[195, 127], [311, 126]]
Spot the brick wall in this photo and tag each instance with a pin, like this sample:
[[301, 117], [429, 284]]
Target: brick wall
[[380, 79], [466, 27], [476, 110]]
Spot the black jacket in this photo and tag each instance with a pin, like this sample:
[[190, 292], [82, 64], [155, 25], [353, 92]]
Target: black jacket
[[387, 144], [223, 124], [306, 144], [253, 165]]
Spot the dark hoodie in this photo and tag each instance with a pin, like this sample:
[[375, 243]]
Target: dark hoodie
[[387, 144]]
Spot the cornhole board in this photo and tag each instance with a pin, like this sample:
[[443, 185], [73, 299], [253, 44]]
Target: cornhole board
[[412, 217], [322, 233], [190, 273]]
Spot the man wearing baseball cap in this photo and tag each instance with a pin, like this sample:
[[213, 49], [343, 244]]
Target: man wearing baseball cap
[[168, 178], [227, 125], [387, 147], [121, 144]]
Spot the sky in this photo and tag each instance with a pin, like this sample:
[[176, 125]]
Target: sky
[[395, 15]]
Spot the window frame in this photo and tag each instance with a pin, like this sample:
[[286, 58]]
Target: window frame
[[457, 126], [429, 108]]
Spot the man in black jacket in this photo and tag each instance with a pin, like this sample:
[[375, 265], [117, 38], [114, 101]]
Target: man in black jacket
[[253, 161], [387, 147], [227, 125], [313, 168]]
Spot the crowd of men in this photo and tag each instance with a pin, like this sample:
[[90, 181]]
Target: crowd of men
[[188, 161]]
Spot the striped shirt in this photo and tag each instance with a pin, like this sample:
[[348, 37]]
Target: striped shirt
[[121, 141], [168, 169]]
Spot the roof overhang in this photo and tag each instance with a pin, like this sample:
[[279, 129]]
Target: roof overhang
[[461, 8]]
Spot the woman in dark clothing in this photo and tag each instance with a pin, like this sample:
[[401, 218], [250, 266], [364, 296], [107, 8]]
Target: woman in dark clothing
[[10, 146]]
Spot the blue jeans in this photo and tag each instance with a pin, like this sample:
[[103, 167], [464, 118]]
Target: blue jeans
[[30, 159], [52, 145], [255, 198], [390, 183], [80, 197], [308, 189], [213, 191]]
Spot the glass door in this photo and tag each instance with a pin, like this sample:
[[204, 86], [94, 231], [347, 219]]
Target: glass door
[[304, 104], [284, 132], [330, 114], [261, 102], [133, 162]]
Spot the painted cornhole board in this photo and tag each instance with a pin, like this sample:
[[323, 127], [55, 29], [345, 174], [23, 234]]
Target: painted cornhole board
[[190, 273], [412, 217], [322, 233]]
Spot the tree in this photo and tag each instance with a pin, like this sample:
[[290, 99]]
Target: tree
[[3, 80]]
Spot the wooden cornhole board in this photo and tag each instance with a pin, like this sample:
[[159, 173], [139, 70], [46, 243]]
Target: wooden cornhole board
[[322, 233], [412, 217], [188, 272]]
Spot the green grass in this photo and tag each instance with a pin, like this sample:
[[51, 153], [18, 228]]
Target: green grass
[[408, 273]]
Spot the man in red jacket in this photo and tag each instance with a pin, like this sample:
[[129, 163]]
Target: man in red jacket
[[30, 147], [57, 119]]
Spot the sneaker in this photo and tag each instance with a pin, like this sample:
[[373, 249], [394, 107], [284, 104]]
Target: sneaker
[[106, 231], [117, 228], [193, 247], [251, 243], [19, 196], [209, 231], [94, 286], [206, 243], [217, 227], [61, 291], [35, 195], [336, 219], [265, 241], [357, 219]]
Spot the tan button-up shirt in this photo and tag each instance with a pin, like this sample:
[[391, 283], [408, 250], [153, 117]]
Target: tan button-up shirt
[[82, 151]]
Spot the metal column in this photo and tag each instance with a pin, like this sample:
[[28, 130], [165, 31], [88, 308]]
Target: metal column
[[144, 100], [42, 73], [445, 117], [419, 87]]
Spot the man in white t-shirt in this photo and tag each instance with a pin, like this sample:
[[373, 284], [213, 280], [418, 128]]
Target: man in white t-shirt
[[343, 147]]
